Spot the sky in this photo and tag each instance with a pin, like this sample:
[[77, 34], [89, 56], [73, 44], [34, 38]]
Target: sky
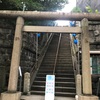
[[67, 8]]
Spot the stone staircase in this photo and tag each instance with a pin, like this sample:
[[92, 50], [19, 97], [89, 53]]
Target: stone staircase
[[64, 74]]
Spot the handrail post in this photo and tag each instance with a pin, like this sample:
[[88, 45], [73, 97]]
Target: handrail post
[[26, 88], [36, 50], [76, 67], [78, 76], [78, 62]]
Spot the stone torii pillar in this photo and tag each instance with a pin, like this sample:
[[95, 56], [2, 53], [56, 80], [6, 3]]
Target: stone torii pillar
[[12, 93], [86, 74]]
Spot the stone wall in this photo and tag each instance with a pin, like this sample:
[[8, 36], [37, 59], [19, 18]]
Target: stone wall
[[6, 43], [28, 52], [28, 55], [94, 34]]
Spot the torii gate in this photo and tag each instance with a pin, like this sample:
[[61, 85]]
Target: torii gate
[[12, 93]]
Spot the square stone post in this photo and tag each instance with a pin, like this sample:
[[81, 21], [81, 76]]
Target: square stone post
[[12, 93], [78, 85], [26, 88], [86, 73]]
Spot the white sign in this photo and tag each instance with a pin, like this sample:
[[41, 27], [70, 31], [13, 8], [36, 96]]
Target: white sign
[[50, 87], [20, 72]]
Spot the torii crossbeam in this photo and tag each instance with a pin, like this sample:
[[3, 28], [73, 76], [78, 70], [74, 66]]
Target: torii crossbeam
[[49, 15]]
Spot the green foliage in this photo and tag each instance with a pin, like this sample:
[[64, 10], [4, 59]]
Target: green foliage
[[76, 10], [34, 5], [39, 5], [54, 5], [89, 10], [96, 11]]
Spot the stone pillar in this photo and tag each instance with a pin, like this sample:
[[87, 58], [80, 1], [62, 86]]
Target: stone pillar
[[78, 85], [11, 96], [12, 93], [86, 72], [26, 83], [13, 78]]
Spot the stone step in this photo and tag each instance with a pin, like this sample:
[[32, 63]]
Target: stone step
[[51, 67], [56, 71], [67, 75], [67, 94], [58, 79], [59, 84], [64, 74], [58, 89]]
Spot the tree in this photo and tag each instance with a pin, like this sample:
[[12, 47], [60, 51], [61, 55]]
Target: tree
[[39, 5], [76, 10], [34, 5], [90, 10]]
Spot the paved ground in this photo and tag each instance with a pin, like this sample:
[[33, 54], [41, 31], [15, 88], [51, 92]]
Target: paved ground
[[35, 97]]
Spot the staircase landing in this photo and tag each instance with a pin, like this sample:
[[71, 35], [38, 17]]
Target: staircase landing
[[37, 97]]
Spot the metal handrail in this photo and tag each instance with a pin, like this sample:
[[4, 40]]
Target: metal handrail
[[74, 49], [57, 54], [42, 53]]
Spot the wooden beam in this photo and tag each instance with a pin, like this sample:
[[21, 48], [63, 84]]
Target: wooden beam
[[52, 29], [38, 15]]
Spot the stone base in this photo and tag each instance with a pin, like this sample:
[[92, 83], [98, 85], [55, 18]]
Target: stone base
[[11, 96], [82, 97]]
